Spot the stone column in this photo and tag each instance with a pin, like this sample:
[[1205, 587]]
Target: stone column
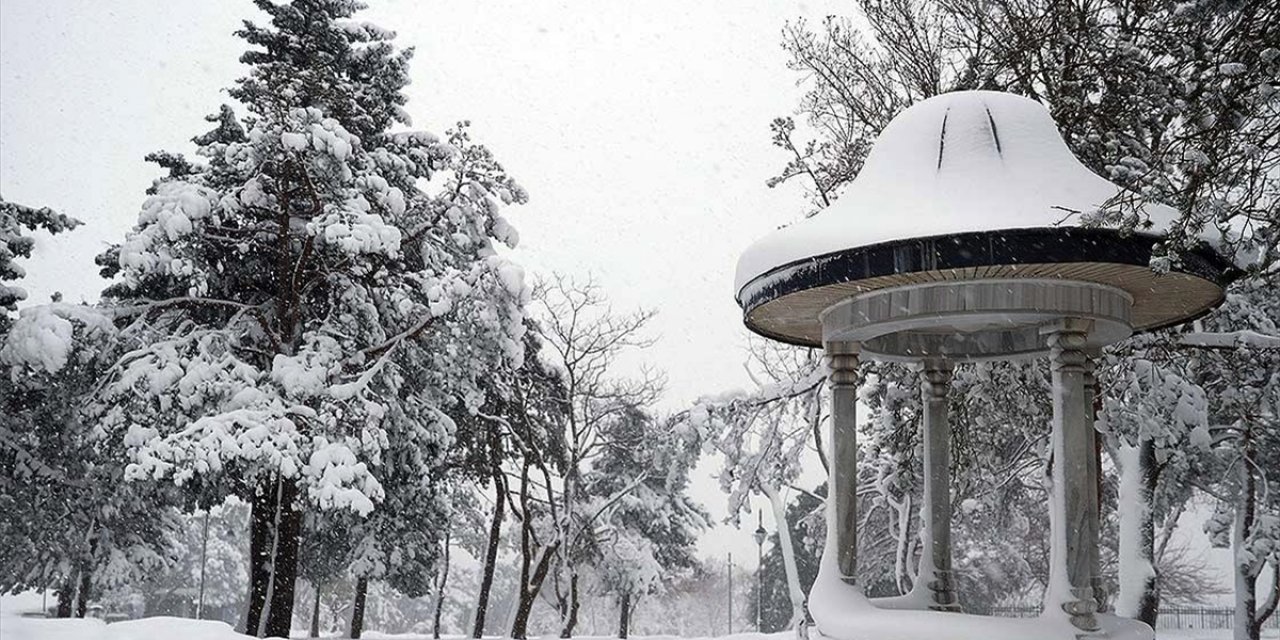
[[935, 557], [842, 490], [1095, 463], [1073, 510]]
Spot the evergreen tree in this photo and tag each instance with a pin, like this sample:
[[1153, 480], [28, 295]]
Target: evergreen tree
[[305, 315], [324, 555], [649, 525], [14, 244], [210, 570], [519, 424], [67, 519]]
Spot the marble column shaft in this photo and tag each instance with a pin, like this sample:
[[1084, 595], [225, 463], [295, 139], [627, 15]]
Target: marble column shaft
[[1075, 517], [1095, 460], [842, 490], [935, 559]]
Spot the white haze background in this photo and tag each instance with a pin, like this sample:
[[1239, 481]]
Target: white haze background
[[640, 130]]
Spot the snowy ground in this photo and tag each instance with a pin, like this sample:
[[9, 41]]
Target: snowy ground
[[185, 629], [14, 627], [1211, 634]]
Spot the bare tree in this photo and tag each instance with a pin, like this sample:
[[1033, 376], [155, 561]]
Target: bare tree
[[1187, 576], [585, 338]]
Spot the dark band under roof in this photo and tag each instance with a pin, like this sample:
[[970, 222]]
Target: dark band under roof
[[1005, 249]]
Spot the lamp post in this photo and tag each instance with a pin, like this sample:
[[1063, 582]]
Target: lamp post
[[759, 536], [730, 594], [204, 550]]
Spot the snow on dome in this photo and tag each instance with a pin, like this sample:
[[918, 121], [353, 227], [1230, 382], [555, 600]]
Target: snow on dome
[[959, 162]]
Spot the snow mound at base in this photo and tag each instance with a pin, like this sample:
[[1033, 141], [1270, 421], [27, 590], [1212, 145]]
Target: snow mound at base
[[159, 628]]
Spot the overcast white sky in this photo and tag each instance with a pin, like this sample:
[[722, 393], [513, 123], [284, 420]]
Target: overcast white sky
[[640, 130]]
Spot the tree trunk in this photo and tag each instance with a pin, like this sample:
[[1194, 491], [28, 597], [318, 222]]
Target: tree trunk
[[82, 596], [274, 538], [532, 574], [571, 616], [66, 598], [315, 613], [1246, 584], [624, 614], [1139, 596], [1149, 607], [284, 563], [569, 609], [788, 551], [435, 621], [490, 556], [261, 511], [357, 610], [1246, 592], [520, 625], [1268, 608], [531, 585], [440, 590]]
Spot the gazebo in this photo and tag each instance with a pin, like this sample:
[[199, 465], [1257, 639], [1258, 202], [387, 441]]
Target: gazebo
[[965, 238]]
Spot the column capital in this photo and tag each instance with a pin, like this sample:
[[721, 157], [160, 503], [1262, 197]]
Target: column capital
[[935, 377], [1067, 339], [842, 362], [1091, 355]]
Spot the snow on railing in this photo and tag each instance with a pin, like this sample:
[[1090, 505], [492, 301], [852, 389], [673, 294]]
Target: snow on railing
[[1231, 340]]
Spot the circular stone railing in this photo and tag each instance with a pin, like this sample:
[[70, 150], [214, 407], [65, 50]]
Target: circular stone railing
[[974, 320]]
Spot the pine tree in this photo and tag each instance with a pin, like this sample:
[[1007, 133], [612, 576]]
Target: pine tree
[[648, 526], [212, 560], [306, 316], [14, 244], [518, 431], [67, 519]]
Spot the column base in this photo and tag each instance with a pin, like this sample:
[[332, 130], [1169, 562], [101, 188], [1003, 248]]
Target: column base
[[1100, 595], [942, 593], [1083, 609]]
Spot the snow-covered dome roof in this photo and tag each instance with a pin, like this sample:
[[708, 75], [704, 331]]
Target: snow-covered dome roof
[[952, 170], [964, 161]]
